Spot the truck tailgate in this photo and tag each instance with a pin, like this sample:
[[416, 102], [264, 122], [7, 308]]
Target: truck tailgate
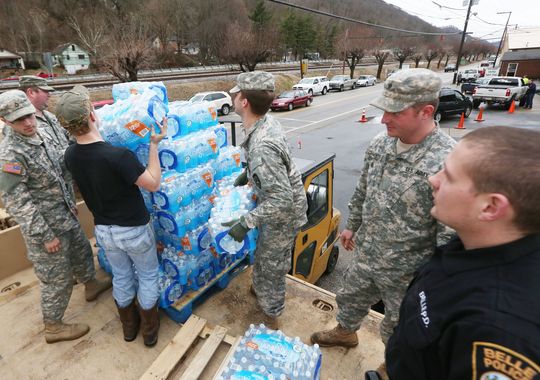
[[103, 354]]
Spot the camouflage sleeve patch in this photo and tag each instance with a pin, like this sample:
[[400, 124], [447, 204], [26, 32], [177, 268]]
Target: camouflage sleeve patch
[[11, 175], [12, 167], [491, 361]]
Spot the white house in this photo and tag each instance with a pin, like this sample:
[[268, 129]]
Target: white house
[[72, 57]]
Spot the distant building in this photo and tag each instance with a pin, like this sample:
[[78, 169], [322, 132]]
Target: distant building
[[9, 60], [521, 53], [72, 57]]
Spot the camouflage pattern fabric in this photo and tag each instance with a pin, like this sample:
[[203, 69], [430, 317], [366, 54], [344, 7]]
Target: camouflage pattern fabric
[[394, 230], [406, 88], [27, 81], [56, 271], [34, 191], [254, 80], [51, 130], [280, 212]]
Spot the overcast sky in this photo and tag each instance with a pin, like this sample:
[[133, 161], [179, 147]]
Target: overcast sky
[[524, 13]]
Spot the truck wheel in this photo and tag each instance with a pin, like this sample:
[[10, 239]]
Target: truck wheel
[[324, 91], [225, 109], [508, 104], [341, 88], [476, 103], [332, 260], [310, 92]]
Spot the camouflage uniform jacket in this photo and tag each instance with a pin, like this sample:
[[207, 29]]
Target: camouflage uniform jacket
[[390, 207], [51, 130], [33, 187], [281, 199]]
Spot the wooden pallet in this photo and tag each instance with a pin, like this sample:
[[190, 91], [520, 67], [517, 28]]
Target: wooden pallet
[[181, 360]]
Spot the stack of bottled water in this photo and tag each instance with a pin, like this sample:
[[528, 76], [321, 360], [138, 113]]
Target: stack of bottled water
[[122, 91], [128, 123], [230, 204], [269, 354], [199, 170]]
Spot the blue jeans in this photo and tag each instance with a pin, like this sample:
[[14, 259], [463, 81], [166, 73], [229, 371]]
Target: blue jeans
[[129, 249]]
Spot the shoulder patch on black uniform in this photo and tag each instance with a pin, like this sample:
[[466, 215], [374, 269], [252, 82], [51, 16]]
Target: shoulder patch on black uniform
[[495, 362]]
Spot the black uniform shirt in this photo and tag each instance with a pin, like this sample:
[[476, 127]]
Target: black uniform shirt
[[471, 315]]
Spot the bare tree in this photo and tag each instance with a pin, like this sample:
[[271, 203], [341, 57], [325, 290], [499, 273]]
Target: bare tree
[[417, 57], [380, 56], [430, 55], [353, 45], [403, 53], [128, 49]]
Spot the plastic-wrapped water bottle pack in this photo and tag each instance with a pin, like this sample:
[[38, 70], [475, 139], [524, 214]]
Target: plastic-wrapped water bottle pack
[[269, 354], [122, 91]]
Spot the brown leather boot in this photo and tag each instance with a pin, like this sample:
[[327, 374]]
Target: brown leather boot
[[129, 316], [150, 325], [60, 331], [338, 336], [93, 288]]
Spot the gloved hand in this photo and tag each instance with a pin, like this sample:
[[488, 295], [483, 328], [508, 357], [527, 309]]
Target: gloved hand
[[242, 179], [239, 229]]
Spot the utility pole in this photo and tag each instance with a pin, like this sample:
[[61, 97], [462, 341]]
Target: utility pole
[[462, 41], [503, 35]]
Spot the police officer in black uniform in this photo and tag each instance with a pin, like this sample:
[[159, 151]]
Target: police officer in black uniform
[[473, 311]]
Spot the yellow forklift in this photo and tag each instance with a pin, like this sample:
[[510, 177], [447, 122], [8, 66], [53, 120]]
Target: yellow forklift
[[315, 251]]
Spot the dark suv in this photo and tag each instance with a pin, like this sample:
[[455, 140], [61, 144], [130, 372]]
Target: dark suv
[[452, 102]]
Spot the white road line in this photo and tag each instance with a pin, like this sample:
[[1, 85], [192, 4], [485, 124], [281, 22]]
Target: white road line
[[328, 118]]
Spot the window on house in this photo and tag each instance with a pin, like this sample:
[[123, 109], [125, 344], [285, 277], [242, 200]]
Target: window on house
[[72, 47], [512, 69], [81, 56], [67, 57]]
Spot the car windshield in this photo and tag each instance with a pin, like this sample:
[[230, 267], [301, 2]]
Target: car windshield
[[362, 77], [339, 77], [197, 98], [287, 94], [504, 82], [306, 81], [470, 71]]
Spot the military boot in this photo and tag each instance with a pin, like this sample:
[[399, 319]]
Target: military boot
[[60, 331], [93, 288], [338, 336], [150, 325], [131, 320], [271, 322]]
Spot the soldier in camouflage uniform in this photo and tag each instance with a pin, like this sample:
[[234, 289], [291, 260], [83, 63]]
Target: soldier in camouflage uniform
[[281, 199], [34, 191], [38, 92], [390, 226]]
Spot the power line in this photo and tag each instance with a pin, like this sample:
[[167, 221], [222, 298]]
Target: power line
[[362, 22], [487, 22]]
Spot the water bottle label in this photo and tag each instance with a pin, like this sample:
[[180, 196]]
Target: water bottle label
[[213, 144], [236, 157], [186, 244], [137, 127], [275, 347], [207, 177]]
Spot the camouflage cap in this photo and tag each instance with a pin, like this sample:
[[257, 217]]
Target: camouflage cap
[[74, 106], [14, 104], [27, 81], [406, 88], [254, 80]]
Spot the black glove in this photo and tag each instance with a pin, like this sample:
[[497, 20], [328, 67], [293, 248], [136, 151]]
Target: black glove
[[238, 230], [242, 179]]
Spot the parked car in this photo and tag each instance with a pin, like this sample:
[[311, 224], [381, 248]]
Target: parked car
[[366, 80], [288, 100], [342, 82], [100, 103], [313, 85], [468, 87], [452, 102], [450, 67], [501, 90], [45, 75], [221, 101], [469, 75]]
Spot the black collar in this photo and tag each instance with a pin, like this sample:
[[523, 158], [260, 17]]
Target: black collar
[[456, 259]]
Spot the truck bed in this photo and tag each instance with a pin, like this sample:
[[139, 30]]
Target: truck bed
[[103, 354]]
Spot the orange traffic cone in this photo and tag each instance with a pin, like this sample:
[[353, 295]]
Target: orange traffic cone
[[299, 144], [479, 116], [363, 119], [512, 107], [461, 122]]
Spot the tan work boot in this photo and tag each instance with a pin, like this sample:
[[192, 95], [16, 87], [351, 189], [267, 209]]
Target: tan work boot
[[270, 322], [93, 288], [338, 336], [381, 370], [60, 331]]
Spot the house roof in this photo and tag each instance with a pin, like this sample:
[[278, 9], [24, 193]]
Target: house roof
[[524, 38], [60, 49], [521, 55], [4, 54]]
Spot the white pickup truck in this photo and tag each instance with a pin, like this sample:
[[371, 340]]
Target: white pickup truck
[[501, 90], [313, 85]]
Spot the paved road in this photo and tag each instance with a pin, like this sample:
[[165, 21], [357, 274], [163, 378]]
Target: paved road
[[330, 125]]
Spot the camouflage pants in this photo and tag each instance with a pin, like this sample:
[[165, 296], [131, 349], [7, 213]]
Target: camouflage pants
[[272, 263], [363, 286], [55, 271]]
